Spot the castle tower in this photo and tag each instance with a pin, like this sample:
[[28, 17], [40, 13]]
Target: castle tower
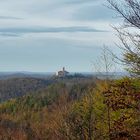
[[62, 73]]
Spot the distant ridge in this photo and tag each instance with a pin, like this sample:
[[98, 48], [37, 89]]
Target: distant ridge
[[46, 75]]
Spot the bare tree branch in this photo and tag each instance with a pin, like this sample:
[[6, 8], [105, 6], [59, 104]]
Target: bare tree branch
[[128, 33]]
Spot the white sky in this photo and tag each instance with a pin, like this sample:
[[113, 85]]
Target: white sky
[[45, 35]]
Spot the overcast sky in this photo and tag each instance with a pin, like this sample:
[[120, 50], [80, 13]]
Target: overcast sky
[[45, 35]]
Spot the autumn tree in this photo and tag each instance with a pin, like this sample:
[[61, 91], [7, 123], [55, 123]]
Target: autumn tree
[[123, 99]]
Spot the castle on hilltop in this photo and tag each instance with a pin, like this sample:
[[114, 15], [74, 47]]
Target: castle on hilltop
[[62, 73]]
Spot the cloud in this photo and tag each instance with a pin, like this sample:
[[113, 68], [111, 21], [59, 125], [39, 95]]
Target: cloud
[[25, 30], [10, 17], [93, 13], [46, 9], [73, 2], [9, 34]]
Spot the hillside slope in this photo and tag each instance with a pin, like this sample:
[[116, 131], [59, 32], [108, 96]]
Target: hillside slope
[[17, 87]]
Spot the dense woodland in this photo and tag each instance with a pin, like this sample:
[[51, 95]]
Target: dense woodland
[[86, 110], [79, 108], [16, 87]]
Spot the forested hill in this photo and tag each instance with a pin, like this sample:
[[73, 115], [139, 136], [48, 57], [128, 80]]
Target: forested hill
[[16, 87], [75, 109]]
